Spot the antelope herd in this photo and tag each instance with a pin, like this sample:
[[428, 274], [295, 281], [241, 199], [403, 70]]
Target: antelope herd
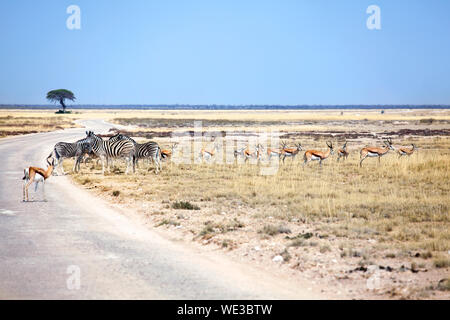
[[121, 146]]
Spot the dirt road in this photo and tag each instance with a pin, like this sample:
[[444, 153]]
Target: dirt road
[[75, 246]]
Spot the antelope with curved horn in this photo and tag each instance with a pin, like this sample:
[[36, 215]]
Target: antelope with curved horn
[[406, 152], [342, 152], [375, 151], [291, 152], [36, 175], [313, 155]]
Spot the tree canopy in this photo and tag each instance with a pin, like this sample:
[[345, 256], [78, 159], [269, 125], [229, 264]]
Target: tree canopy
[[60, 95]]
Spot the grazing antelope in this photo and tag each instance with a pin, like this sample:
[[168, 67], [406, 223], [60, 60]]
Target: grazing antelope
[[291, 152], [375, 151], [167, 153], [406, 151], [36, 175], [255, 154], [312, 155], [342, 152]]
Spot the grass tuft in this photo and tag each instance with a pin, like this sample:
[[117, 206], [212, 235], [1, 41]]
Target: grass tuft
[[185, 205]]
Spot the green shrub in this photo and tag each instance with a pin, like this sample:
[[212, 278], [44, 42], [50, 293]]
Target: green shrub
[[186, 205]]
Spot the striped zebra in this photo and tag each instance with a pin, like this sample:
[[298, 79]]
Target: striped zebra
[[148, 150], [113, 148], [64, 150]]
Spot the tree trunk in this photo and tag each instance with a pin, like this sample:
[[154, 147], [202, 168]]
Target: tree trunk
[[62, 104]]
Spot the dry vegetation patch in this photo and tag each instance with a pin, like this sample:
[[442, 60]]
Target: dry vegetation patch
[[331, 223], [17, 123]]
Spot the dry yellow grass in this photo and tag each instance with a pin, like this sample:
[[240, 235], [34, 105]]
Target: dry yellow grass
[[394, 213], [284, 115], [241, 115], [319, 120], [16, 123], [403, 202]]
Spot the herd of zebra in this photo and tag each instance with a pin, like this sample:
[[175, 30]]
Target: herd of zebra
[[117, 146]]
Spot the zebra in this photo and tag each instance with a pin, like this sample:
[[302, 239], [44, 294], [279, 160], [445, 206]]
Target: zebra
[[148, 150], [113, 148], [63, 150]]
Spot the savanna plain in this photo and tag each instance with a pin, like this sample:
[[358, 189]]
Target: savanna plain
[[377, 231]]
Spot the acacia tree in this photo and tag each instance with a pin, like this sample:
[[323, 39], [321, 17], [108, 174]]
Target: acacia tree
[[60, 95]]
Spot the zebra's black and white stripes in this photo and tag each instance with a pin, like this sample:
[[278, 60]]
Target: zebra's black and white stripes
[[148, 150], [113, 148], [64, 150]]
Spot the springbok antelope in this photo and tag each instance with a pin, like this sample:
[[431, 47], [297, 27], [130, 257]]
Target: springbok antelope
[[405, 151], [255, 154], [36, 175], [312, 155], [240, 152], [167, 153], [291, 152], [342, 152], [208, 154], [274, 153], [375, 151]]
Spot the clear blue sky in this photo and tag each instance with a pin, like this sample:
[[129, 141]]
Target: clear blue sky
[[226, 52]]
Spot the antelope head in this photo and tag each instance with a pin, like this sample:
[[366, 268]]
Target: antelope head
[[259, 147], [330, 145], [388, 144], [299, 146]]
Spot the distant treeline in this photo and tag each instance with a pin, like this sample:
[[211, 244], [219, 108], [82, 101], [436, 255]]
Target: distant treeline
[[225, 107]]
